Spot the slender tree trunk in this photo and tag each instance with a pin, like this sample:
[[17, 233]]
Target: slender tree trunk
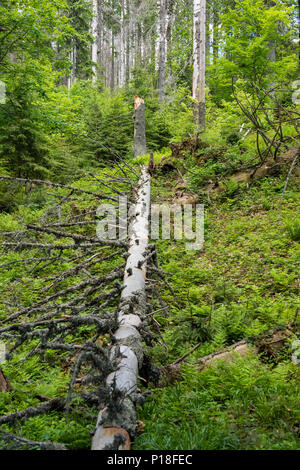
[[199, 63], [207, 34], [157, 43], [112, 77], [170, 20], [122, 69], [127, 49], [69, 77], [99, 32], [74, 61], [94, 30], [162, 50]]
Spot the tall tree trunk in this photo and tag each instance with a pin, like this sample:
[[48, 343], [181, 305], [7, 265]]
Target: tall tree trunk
[[199, 63], [122, 68], [112, 76], [74, 61], [162, 50], [94, 30], [170, 20], [207, 34], [99, 32], [69, 77], [139, 127], [127, 49]]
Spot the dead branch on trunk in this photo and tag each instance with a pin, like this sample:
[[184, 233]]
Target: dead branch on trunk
[[83, 291], [18, 442]]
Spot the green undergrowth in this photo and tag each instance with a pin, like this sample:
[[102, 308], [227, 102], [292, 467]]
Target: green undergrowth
[[21, 284], [238, 405], [46, 377], [243, 282]]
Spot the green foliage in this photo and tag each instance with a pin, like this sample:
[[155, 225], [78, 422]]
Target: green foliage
[[252, 29], [293, 229], [107, 121], [243, 282], [22, 142], [236, 405]]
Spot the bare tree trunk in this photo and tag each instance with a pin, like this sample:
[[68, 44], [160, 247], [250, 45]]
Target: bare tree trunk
[[157, 43], [162, 50], [117, 419], [94, 30], [139, 127], [207, 34], [74, 61], [112, 76], [199, 62], [127, 49], [69, 77], [99, 32], [122, 71], [170, 21]]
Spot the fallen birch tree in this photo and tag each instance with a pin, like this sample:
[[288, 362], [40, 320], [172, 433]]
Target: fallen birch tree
[[117, 419]]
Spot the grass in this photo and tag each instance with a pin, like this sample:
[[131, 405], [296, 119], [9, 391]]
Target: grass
[[244, 281], [238, 405]]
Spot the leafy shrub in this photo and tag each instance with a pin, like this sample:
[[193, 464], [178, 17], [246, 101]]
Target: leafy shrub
[[293, 229]]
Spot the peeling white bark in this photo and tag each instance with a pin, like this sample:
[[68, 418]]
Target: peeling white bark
[[199, 40], [112, 430], [162, 50], [94, 29]]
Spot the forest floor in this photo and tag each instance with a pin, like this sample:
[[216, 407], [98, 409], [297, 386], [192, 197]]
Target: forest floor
[[243, 282]]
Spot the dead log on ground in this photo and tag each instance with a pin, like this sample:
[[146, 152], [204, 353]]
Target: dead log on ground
[[266, 344], [117, 420]]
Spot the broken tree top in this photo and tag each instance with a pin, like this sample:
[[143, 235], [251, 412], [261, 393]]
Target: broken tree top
[[138, 101]]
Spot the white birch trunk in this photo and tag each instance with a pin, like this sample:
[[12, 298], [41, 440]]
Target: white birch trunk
[[95, 34], [140, 147], [157, 39], [115, 424], [122, 60], [74, 62], [199, 40], [170, 21], [162, 50], [99, 32]]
